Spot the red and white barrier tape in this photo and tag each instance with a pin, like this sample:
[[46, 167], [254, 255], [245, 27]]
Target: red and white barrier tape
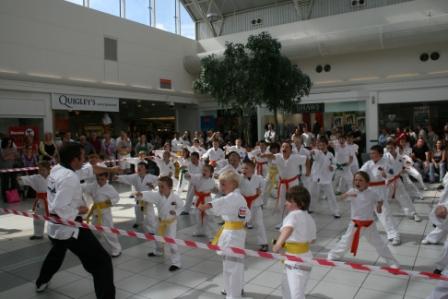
[[20, 169], [235, 250]]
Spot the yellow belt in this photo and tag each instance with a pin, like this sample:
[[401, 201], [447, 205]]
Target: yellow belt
[[98, 207], [229, 225], [296, 247], [142, 205], [163, 225]]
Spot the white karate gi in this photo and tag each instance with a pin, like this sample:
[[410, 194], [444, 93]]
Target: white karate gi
[[396, 165], [214, 155], [249, 188], [39, 184], [192, 169], [168, 208], [363, 206], [144, 215], [288, 172], [322, 180], [385, 217], [296, 275], [205, 225], [232, 207], [101, 194], [261, 164], [343, 176]]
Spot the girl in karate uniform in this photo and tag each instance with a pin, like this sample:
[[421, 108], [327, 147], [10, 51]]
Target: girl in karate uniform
[[364, 202]]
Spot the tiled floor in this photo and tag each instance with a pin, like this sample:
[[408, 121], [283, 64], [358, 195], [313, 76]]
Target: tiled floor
[[137, 276]]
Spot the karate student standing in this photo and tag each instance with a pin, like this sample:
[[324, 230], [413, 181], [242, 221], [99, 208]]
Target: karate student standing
[[214, 154], [232, 207], [104, 196], [65, 201], [203, 186], [193, 167], [260, 162], [364, 201], [169, 205], [142, 181], [298, 231], [40, 205], [322, 175], [251, 187], [377, 168], [439, 216], [288, 166], [343, 175], [395, 185]]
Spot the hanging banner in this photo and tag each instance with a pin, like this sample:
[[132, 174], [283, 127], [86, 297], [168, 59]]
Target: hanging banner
[[84, 103]]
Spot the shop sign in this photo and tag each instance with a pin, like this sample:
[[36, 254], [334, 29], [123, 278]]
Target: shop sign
[[309, 108], [20, 133], [84, 103]]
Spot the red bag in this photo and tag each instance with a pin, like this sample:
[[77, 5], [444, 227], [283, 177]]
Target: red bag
[[12, 196]]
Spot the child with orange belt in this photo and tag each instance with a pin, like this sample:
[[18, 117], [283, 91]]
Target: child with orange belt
[[252, 186], [364, 202], [297, 232], [40, 206], [203, 185]]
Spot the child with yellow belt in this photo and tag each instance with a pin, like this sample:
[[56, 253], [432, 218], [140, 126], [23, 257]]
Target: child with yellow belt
[[169, 206], [104, 196], [40, 206], [364, 201], [296, 233], [232, 207]]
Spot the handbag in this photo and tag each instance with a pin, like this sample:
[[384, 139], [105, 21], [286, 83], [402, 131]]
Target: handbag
[[12, 196]]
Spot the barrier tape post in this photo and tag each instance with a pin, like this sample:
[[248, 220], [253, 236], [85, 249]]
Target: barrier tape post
[[237, 250]]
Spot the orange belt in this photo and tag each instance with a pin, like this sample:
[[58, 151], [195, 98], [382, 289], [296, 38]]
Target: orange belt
[[260, 167], [286, 182], [377, 184], [358, 224], [201, 200], [41, 196], [394, 181], [250, 199], [212, 163]]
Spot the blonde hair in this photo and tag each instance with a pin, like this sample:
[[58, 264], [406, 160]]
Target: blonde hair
[[230, 176]]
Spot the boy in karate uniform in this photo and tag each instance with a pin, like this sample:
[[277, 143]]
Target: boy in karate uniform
[[193, 167], [364, 201], [203, 186], [232, 207], [214, 154], [344, 158], [104, 196], [288, 165], [142, 181], [296, 234], [439, 216], [169, 206], [377, 168], [322, 174], [251, 187], [260, 162], [40, 205], [395, 185]]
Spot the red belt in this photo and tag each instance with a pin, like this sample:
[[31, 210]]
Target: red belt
[[377, 184], [212, 163], [260, 167], [286, 182], [41, 196], [201, 200], [358, 224], [394, 181], [250, 199]]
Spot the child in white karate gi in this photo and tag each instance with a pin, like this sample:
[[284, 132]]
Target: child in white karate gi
[[296, 234], [104, 197], [364, 202], [40, 206], [169, 206]]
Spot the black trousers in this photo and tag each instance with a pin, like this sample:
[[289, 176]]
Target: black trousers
[[94, 259]]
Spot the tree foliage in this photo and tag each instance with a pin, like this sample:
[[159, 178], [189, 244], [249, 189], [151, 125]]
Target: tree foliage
[[253, 74]]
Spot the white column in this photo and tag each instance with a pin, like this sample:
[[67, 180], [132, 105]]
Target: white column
[[372, 119], [48, 118]]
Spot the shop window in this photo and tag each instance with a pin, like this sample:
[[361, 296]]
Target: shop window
[[110, 49]]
